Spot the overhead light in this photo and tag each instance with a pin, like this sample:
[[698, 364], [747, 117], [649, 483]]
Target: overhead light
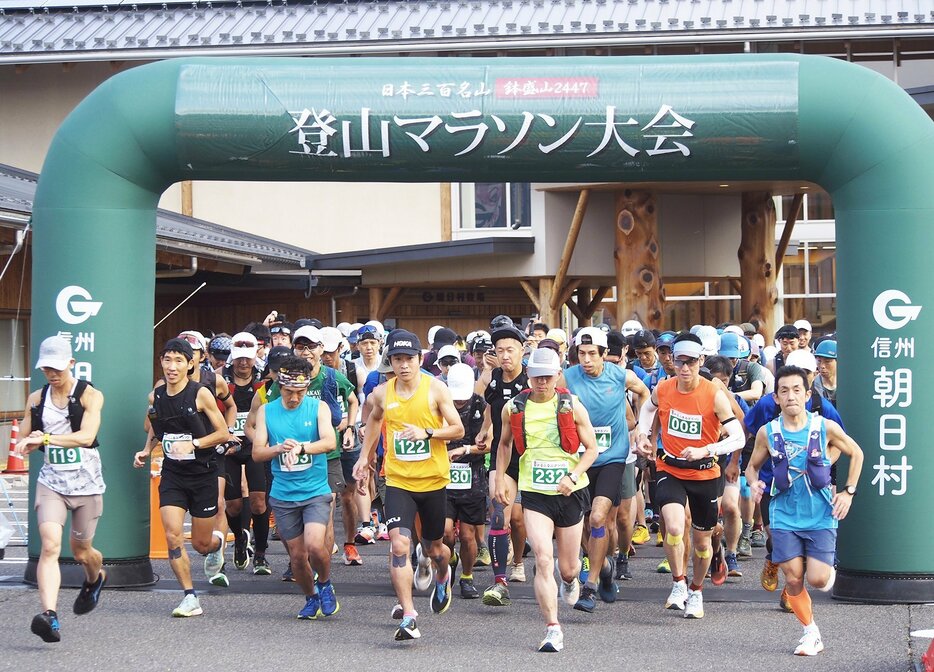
[[723, 186], [805, 187]]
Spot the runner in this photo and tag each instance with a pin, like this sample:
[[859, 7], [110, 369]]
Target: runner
[[548, 425], [826, 383], [415, 408], [186, 421], [63, 420], [804, 512], [691, 411], [295, 432]]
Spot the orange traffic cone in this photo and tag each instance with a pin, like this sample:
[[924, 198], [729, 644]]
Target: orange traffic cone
[[14, 462], [927, 660]]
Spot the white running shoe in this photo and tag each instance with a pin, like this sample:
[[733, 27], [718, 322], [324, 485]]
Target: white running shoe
[[829, 585], [571, 591], [189, 606], [810, 643], [678, 596], [423, 573], [518, 572], [554, 640], [694, 607], [214, 561]]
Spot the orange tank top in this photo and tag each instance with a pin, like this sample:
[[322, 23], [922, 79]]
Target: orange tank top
[[687, 420]]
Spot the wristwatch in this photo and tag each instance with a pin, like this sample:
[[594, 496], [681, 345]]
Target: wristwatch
[[429, 431], [571, 475], [196, 443], [850, 490]]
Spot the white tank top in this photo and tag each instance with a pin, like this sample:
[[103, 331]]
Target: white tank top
[[68, 471]]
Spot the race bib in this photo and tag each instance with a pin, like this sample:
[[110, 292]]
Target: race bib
[[546, 474], [240, 424], [168, 445], [410, 450], [461, 476], [302, 462], [604, 438], [63, 459], [684, 425]]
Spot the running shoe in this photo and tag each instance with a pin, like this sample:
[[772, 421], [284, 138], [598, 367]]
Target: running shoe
[[329, 603], [468, 590], [496, 595], [757, 539], [407, 630], [554, 640], [640, 535], [47, 627], [310, 611], [397, 612], [678, 596], [241, 550], [663, 567], [517, 573], [732, 565], [622, 568], [287, 574], [483, 557], [260, 566], [694, 606], [586, 601], [606, 588], [585, 570], [214, 561], [189, 606], [769, 576], [274, 533], [810, 643], [658, 539], [718, 567], [526, 549], [89, 594], [220, 579], [423, 573], [334, 549], [351, 556], [382, 533], [571, 591], [783, 603], [744, 549], [454, 561], [366, 534], [441, 595]]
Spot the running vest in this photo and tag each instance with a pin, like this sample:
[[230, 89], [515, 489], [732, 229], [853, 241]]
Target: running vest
[[548, 451], [177, 418], [604, 397], [308, 477], [817, 467], [416, 465], [75, 409], [243, 400], [468, 475], [497, 394], [687, 420], [564, 413]]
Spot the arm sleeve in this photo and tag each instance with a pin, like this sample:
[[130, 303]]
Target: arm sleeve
[[647, 417], [734, 440]]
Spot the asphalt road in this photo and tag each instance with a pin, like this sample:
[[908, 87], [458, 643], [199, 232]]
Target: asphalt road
[[252, 625]]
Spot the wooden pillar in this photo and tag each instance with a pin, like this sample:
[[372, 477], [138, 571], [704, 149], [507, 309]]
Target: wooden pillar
[[376, 301], [547, 314], [639, 291], [757, 261]]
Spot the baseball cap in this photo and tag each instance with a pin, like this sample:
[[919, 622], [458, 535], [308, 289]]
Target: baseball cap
[[402, 342], [558, 335], [591, 336], [276, 355], [243, 345], [665, 339], [220, 346], [507, 331], [501, 321], [551, 344], [460, 382], [802, 359], [444, 336], [732, 345], [281, 328], [331, 337], [309, 333], [827, 349], [367, 333], [615, 342], [345, 328], [803, 324], [786, 331], [432, 332], [385, 366], [630, 327], [543, 362], [55, 353], [643, 339], [179, 345], [449, 351], [377, 327], [689, 345], [748, 328], [196, 339], [733, 329], [481, 345], [710, 339], [753, 348]]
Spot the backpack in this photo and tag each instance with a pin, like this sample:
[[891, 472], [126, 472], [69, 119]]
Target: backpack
[[75, 409]]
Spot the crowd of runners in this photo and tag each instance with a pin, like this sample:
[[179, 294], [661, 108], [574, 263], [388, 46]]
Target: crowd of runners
[[473, 451]]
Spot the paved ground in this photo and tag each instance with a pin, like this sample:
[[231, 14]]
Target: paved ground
[[252, 625]]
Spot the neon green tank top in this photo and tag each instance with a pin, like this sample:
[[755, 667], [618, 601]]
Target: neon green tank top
[[544, 462]]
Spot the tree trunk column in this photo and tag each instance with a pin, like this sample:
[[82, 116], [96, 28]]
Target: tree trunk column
[[546, 313], [639, 291], [757, 261]]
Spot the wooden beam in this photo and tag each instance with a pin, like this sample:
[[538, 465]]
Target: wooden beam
[[574, 308], [376, 301], [569, 244], [531, 293], [758, 294], [546, 313], [786, 232], [446, 211], [389, 302], [567, 292], [591, 308], [187, 201], [640, 293]]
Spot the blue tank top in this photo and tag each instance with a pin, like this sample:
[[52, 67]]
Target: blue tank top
[[604, 397], [309, 477], [800, 507]]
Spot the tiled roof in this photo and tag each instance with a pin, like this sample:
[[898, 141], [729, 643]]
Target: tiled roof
[[144, 29]]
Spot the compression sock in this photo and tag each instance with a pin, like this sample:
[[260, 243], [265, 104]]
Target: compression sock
[[801, 605], [261, 532], [235, 525], [499, 552]]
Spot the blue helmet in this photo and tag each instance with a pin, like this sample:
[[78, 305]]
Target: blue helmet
[[734, 345], [826, 348]]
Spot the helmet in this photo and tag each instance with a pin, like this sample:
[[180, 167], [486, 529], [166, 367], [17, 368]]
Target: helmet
[[827, 349]]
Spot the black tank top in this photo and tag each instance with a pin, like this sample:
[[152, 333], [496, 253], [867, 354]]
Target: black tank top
[[243, 399], [179, 414], [497, 395]]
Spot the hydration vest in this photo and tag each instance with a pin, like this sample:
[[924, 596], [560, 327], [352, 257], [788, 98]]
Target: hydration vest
[[818, 473], [567, 429], [75, 410]]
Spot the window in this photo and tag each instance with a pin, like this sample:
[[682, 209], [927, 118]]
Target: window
[[810, 272], [495, 205], [816, 206], [14, 368]]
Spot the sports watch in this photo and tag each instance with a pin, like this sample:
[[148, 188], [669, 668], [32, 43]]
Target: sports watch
[[850, 490], [573, 477], [429, 431]]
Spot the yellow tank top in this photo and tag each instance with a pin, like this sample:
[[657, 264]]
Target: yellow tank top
[[414, 465], [544, 462]]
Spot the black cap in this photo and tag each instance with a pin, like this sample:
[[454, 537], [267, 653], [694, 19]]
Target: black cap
[[508, 331], [614, 343], [481, 344], [643, 339], [402, 342], [277, 354], [501, 321], [444, 336], [786, 331], [179, 345]]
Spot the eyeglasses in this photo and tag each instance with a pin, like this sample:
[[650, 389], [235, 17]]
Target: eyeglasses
[[689, 361], [244, 344], [306, 348]]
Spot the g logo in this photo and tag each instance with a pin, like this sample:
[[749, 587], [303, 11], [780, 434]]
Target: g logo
[[71, 311], [893, 317]]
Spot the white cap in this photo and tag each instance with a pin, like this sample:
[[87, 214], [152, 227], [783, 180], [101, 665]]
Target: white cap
[[733, 329], [192, 335], [461, 382], [54, 353], [309, 332], [803, 324], [630, 327], [432, 332], [247, 348], [591, 336], [759, 339], [767, 353], [331, 337], [687, 347], [543, 362], [803, 359], [556, 334], [448, 351], [380, 331], [345, 328], [710, 339]]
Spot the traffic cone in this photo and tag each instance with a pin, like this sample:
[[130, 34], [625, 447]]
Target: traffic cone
[[927, 660], [14, 461]]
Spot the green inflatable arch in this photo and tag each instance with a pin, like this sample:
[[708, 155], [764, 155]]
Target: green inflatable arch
[[729, 118]]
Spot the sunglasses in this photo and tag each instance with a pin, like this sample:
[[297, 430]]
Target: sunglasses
[[280, 330], [192, 340], [689, 361], [307, 347], [448, 361], [366, 329], [244, 344]]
